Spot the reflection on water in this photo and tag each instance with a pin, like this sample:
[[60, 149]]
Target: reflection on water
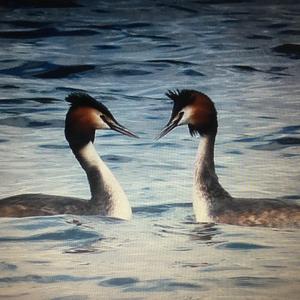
[[242, 54]]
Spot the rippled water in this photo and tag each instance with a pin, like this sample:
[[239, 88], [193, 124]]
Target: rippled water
[[244, 55]]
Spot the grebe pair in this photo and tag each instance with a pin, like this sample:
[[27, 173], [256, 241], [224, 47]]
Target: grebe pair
[[211, 202]]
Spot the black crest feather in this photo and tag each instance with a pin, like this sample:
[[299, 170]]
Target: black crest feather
[[77, 99], [184, 97], [181, 99]]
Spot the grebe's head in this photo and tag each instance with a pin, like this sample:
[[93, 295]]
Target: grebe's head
[[194, 109], [85, 116]]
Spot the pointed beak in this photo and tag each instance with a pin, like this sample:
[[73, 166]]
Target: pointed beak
[[114, 125], [171, 125]]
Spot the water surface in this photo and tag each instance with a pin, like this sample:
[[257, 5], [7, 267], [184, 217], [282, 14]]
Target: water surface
[[244, 55]]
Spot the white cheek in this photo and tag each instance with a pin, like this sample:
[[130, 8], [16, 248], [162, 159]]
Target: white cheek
[[101, 124], [105, 126], [187, 113]]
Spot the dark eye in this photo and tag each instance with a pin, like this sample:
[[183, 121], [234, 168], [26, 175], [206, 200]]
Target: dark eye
[[103, 118], [106, 120]]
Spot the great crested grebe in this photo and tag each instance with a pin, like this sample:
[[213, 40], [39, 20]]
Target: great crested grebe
[[211, 202], [84, 117]]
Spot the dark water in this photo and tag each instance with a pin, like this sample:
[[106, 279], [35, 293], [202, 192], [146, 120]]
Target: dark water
[[244, 55]]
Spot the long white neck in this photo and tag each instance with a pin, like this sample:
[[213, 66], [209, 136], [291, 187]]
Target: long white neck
[[107, 196], [208, 194]]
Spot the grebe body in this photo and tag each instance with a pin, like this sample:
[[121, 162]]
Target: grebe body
[[85, 116], [211, 202]]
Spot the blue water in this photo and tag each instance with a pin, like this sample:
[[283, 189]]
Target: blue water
[[244, 55]]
